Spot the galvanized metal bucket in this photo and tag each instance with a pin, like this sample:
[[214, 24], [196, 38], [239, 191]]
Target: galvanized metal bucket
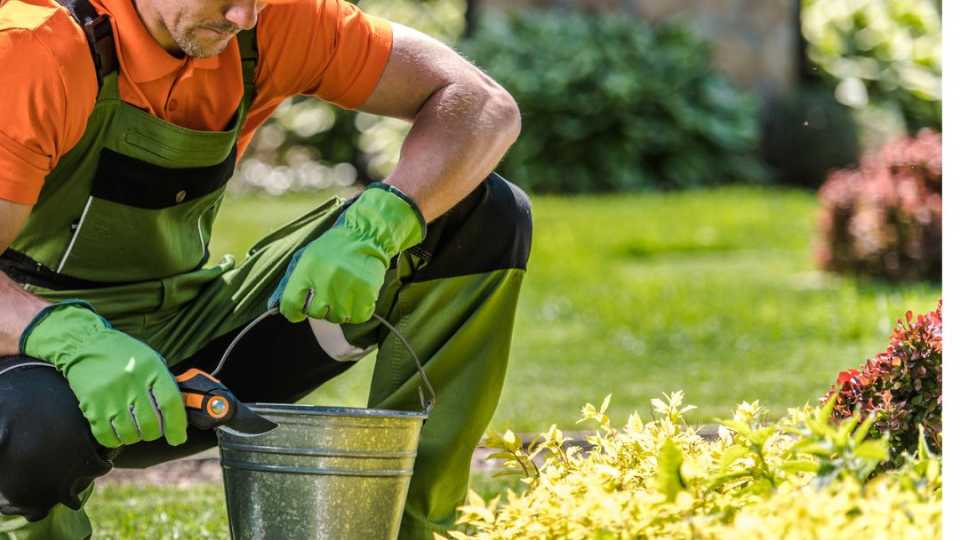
[[330, 473], [325, 473]]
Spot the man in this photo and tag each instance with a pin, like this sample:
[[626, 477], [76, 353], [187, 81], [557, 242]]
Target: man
[[116, 140]]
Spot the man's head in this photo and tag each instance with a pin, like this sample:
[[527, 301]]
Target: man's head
[[198, 28]]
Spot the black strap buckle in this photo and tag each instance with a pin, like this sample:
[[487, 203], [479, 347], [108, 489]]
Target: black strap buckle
[[100, 37]]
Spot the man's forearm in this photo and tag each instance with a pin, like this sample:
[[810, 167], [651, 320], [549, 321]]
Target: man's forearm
[[17, 309], [458, 137]]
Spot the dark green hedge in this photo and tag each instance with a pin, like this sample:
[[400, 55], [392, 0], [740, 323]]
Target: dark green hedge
[[610, 103]]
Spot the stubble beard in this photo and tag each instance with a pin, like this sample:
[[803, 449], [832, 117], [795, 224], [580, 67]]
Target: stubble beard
[[194, 46]]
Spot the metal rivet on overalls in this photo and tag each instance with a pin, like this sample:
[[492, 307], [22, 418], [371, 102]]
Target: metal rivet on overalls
[[181, 196]]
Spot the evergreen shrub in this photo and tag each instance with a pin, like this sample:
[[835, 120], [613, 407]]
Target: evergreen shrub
[[612, 103]]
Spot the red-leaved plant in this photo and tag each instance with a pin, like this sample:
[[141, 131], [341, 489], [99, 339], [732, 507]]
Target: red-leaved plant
[[902, 385], [884, 218]]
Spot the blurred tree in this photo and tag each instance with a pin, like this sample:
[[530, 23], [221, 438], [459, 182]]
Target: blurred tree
[[471, 17], [879, 52], [806, 134]]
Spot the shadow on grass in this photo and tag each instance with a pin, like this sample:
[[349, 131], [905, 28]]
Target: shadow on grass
[[643, 251], [880, 286]]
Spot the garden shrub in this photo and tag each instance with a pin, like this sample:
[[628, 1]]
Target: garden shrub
[[800, 477], [612, 103], [879, 51], [812, 120], [884, 218], [902, 386]]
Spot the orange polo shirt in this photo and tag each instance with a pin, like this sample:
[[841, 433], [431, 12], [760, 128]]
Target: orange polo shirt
[[324, 48]]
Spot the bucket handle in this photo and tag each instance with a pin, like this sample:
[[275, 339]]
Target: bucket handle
[[426, 404]]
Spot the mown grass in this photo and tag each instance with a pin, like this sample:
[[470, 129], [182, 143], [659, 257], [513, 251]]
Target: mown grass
[[713, 292], [134, 512]]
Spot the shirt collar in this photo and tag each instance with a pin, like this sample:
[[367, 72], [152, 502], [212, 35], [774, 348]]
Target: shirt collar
[[142, 58]]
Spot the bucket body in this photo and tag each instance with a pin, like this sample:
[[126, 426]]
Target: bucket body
[[325, 473]]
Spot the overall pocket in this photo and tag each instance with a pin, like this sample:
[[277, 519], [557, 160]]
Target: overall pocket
[[144, 222]]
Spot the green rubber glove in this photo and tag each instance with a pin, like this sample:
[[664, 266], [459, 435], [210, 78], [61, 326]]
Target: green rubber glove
[[123, 386], [345, 267]]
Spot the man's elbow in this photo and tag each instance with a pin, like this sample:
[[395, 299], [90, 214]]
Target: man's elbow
[[507, 114]]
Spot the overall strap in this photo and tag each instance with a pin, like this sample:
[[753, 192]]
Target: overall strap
[[249, 54], [99, 33]]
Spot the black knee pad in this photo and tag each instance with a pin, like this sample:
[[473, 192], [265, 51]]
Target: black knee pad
[[47, 453], [491, 229]]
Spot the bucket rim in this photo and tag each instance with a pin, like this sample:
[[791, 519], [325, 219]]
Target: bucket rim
[[291, 409]]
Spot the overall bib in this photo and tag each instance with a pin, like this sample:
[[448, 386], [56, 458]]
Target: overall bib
[[124, 222]]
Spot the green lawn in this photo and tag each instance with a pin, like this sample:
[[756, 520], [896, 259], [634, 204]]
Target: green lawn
[[712, 292], [132, 512]]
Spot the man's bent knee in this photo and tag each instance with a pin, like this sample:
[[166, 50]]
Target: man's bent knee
[[47, 453], [508, 213], [491, 229]]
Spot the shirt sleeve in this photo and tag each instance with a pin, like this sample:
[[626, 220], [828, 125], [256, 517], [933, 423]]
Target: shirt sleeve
[[38, 124], [329, 49]]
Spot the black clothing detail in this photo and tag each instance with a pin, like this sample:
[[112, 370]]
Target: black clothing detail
[[139, 184], [491, 229], [47, 453], [249, 56], [22, 269], [99, 34]]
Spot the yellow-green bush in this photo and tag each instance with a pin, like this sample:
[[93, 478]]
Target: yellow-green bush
[[803, 476]]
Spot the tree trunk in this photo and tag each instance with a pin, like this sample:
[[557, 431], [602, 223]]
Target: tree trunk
[[471, 17]]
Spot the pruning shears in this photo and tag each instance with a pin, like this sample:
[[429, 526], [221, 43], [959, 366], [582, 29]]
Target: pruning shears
[[211, 405]]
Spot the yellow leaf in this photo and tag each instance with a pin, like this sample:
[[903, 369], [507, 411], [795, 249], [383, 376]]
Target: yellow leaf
[[474, 499], [669, 480], [659, 406], [800, 466], [510, 441], [730, 455], [874, 450], [500, 455], [740, 427], [605, 404]]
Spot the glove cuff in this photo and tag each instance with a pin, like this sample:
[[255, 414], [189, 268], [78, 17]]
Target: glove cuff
[[59, 328], [407, 199], [387, 216]]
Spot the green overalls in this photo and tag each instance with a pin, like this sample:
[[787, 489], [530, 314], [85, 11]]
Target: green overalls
[[124, 222]]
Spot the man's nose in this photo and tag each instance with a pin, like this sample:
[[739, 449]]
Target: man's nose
[[243, 13]]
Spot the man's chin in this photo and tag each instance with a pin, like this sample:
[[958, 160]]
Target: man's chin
[[205, 48]]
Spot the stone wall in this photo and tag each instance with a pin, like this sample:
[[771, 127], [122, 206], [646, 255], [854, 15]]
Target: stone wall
[[754, 41]]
